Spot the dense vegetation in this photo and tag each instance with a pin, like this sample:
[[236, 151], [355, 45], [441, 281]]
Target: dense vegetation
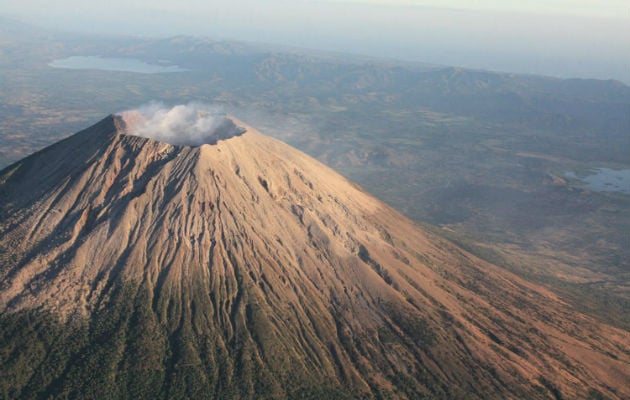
[[125, 352]]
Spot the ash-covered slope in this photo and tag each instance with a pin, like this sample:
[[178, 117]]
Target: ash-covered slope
[[246, 269]]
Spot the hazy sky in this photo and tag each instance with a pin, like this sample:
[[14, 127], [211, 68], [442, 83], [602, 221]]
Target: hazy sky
[[570, 38]]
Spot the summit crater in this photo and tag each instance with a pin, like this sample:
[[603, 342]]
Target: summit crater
[[192, 124]]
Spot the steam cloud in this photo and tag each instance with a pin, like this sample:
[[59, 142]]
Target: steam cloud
[[192, 124]]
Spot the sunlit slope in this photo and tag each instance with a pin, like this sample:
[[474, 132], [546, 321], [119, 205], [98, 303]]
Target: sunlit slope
[[246, 269]]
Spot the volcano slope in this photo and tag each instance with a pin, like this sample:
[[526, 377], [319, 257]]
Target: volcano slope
[[132, 268]]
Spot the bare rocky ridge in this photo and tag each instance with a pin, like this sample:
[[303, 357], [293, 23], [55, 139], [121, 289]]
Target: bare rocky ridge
[[247, 269]]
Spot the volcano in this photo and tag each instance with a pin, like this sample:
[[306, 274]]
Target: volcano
[[243, 268]]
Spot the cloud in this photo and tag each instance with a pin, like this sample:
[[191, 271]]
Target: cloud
[[191, 124]]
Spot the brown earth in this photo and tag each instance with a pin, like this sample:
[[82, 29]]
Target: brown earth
[[269, 273]]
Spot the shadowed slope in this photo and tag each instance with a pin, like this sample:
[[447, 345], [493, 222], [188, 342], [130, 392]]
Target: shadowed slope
[[247, 269]]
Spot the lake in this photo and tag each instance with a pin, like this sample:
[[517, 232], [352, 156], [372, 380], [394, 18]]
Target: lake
[[114, 64], [606, 180]]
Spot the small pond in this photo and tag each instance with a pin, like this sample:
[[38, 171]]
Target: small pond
[[605, 180]]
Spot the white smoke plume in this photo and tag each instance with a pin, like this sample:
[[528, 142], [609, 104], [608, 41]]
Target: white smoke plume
[[191, 124]]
